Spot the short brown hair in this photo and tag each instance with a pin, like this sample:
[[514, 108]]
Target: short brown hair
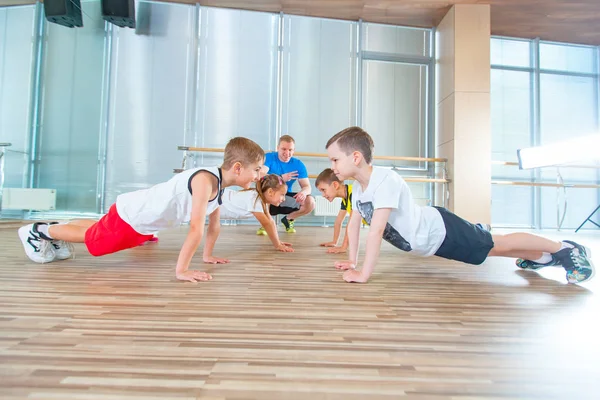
[[354, 139], [242, 150], [287, 138], [327, 177]]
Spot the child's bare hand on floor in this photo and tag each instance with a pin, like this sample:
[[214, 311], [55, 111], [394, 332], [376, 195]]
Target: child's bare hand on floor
[[215, 260], [354, 276], [193, 276], [346, 264], [285, 248], [328, 244]]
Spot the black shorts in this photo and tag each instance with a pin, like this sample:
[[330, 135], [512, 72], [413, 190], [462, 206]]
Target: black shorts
[[464, 241], [288, 206]]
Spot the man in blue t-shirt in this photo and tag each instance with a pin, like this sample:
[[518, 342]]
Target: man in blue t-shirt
[[296, 204]]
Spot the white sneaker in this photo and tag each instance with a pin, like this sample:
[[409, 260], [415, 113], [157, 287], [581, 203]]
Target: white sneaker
[[63, 250], [37, 249]]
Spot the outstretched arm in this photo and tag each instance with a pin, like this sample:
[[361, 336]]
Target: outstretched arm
[[346, 242], [269, 225], [203, 186], [378, 224], [337, 226], [344, 246], [353, 233], [214, 228]]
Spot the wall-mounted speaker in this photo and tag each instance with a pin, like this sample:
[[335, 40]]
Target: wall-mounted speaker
[[64, 12], [119, 12]]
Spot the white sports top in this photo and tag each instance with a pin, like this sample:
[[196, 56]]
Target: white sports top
[[240, 204], [166, 205]]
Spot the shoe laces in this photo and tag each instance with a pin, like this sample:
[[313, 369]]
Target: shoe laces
[[577, 258], [45, 247], [58, 244]]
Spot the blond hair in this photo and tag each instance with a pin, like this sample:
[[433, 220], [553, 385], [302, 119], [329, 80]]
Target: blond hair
[[242, 150], [354, 139], [327, 176]]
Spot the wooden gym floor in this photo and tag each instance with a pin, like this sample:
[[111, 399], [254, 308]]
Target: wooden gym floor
[[285, 326]]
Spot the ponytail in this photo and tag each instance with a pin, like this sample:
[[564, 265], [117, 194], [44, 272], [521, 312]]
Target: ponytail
[[261, 195]]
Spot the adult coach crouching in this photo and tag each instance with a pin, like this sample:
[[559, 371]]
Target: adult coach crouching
[[291, 169]]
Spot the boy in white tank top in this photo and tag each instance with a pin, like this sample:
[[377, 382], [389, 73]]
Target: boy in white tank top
[[137, 216]]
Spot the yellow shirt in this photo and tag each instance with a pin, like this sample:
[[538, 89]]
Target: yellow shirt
[[347, 201]]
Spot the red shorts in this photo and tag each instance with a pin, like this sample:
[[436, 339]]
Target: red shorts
[[112, 234]]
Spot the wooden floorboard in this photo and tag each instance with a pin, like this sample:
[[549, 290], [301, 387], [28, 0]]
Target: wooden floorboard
[[285, 326]]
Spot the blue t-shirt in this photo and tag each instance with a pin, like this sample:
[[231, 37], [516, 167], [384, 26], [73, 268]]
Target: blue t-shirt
[[276, 166]]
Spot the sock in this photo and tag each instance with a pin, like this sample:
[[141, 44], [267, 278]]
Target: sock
[[565, 245], [43, 229], [544, 259]]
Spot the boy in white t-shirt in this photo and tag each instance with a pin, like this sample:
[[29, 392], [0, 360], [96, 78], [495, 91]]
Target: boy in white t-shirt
[[384, 200], [243, 204], [137, 216]]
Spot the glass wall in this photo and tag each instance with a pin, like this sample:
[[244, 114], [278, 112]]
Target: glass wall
[[151, 78], [512, 128], [542, 93], [568, 109], [17, 56], [395, 97], [114, 103], [71, 111], [395, 88], [237, 77], [318, 83], [395, 107]]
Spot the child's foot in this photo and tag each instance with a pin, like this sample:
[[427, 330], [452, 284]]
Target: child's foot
[[534, 266], [38, 249], [485, 227], [289, 225], [261, 231], [62, 249], [576, 261]]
